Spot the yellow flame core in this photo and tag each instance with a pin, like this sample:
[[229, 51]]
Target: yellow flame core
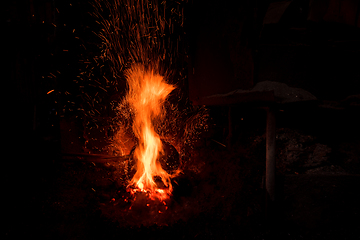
[[147, 92]]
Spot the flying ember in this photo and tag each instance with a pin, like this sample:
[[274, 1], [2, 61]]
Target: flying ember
[[141, 43]]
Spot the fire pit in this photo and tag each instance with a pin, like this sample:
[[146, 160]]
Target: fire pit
[[162, 180]]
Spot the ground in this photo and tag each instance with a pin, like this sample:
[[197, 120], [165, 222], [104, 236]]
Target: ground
[[220, 194]]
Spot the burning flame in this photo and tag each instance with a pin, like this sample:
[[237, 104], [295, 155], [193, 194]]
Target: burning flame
[[147, 92]]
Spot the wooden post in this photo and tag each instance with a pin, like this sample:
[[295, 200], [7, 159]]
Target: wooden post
[[270, 154], [271, 225]]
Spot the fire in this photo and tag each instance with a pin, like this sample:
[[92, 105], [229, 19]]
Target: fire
[[147, 92]]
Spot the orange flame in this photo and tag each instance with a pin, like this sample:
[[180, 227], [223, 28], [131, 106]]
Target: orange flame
[[147, 93]]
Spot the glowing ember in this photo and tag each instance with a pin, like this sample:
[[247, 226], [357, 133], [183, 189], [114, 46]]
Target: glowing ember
[[160, 194], [146, 95]]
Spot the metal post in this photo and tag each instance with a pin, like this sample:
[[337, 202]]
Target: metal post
[[270, 154]]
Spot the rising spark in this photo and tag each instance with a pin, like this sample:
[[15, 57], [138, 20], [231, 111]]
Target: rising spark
[[140, 40], [136, 43]]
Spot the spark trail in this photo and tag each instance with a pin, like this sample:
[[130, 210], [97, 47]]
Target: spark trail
[[137, 44]]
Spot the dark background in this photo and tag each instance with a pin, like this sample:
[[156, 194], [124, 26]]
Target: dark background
[[311, 45]]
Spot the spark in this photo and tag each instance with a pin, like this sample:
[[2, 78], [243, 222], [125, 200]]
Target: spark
[[146, 33]]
